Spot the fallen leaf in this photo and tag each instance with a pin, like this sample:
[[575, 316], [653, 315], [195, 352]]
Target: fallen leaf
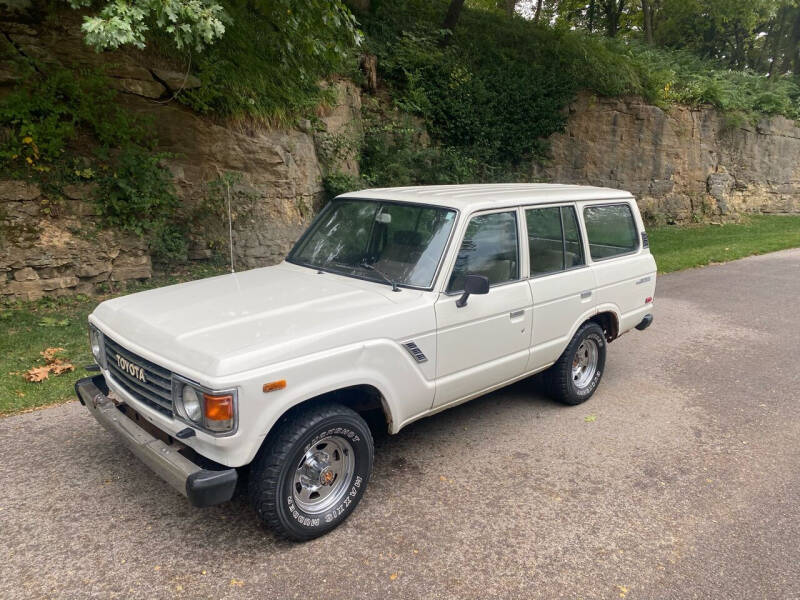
[[55, 365], [393, 576], [590, 418], [237, 582], [37, 374], [49, 354], [62, 367], [623, 591]]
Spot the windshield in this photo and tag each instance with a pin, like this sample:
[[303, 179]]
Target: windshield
[[380, 241]]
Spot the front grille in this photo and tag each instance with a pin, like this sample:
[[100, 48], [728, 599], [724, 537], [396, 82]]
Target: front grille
[[155, 390]]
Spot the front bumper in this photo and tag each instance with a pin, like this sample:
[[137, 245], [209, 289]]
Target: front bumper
[[202, 487]]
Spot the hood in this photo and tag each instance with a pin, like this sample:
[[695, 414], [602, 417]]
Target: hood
[[233, 323]]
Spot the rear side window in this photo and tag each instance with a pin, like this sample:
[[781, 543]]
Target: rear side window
[[611, 230], [489, 248], [554, 241]]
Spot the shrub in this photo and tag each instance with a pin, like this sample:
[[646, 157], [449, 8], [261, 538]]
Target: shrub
[[137, 195], [48, 117], [338, 183]]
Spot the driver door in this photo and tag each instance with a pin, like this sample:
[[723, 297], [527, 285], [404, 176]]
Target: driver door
[[486, 342]]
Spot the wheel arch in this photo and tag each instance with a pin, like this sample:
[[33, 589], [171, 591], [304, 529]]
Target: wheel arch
[[608, 320], [364, 398]]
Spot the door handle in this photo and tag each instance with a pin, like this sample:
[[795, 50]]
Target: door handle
[[586, 294], [517, 313]]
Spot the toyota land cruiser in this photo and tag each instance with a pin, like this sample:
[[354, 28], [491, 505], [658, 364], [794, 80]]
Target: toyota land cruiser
[[400, 302]]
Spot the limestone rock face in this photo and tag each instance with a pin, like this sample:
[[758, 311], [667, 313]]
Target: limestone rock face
[[275, 172], [339, 138], [43, 254], [681, 163]]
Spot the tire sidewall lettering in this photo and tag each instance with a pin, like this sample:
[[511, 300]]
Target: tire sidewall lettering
[[308, 521]]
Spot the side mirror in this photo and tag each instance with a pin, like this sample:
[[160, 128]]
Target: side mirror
[[473, 284]]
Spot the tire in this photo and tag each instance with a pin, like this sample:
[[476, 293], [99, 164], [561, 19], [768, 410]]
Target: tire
[[566, 381], [312, 471]]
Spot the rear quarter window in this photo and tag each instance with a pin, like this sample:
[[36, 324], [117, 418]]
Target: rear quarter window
[[611, 230]]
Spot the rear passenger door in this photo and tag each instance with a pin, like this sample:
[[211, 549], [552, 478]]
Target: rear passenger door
[[562, 286], [625, 274], [485, 342]]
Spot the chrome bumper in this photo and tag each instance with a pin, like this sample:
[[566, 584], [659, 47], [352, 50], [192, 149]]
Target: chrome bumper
[[202, 487]]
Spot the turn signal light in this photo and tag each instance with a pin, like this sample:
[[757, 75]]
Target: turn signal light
[[218, 408], [273, 386], [648, 300]]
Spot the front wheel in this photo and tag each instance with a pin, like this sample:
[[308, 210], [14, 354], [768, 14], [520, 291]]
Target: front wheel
[[577, 373], [312, 471]]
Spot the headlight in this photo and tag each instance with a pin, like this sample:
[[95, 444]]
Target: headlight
[[192, 404], [98, 348], [209, 410]]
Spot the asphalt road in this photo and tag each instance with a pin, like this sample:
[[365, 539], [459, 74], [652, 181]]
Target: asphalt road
[[681, 483]]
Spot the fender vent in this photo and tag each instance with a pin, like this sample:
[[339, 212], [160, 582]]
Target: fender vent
[[414, 350]]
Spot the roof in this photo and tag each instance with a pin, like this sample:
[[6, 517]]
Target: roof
[[484, 196]]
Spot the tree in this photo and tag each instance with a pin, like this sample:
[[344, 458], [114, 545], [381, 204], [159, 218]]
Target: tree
[[191, 23], [612, 10], [538, 12], [315, 28], [453, 13], [648, 8]]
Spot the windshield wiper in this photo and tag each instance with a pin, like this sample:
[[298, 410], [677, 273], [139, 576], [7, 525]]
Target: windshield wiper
[[366, 265]]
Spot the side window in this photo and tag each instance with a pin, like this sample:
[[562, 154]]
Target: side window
[[611, 230], [490, 248], [554, 240]]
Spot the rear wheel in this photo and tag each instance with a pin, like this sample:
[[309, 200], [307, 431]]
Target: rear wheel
[[577, 373], [312, 471]]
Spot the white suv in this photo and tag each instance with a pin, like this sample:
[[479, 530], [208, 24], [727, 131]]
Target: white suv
[[395, 302]]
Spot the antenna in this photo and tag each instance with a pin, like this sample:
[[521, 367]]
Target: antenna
[[230, 220]]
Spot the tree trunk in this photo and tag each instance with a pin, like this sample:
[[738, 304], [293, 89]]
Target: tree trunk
[[613, 13], [647, 20], [453, 13], [590, 15], [538, 11], [793, 48], [369, 67], [510, 5]]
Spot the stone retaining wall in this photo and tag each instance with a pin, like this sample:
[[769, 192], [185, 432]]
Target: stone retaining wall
[[682, 164], [50, 247]]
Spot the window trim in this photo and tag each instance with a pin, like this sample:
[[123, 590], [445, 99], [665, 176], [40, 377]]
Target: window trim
[[434, 280], [637, 235], [510, 209], [584, 239]]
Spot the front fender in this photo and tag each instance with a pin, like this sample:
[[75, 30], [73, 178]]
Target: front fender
[[382, 364]]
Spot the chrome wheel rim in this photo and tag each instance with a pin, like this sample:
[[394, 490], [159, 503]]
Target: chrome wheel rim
[[584, 363], [323, 475]]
